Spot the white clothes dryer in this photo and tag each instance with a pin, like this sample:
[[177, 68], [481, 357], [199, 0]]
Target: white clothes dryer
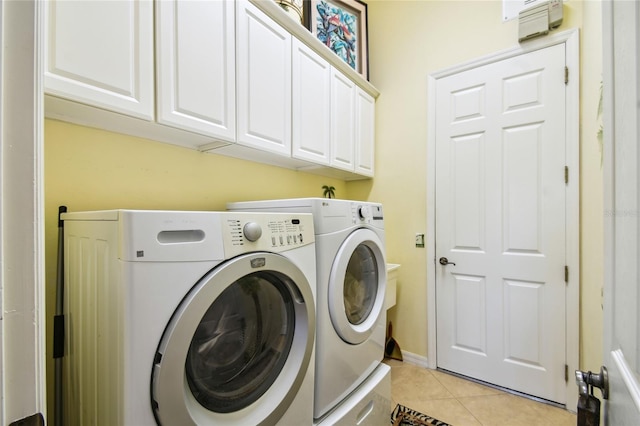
[[351, 280], [181, 318]]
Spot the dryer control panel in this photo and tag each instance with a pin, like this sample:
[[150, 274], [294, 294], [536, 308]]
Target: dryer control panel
[[275, 232], [366, 213]]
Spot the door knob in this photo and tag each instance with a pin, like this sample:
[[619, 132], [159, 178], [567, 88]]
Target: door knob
[[445, 261], [600, 381], [588, 404]]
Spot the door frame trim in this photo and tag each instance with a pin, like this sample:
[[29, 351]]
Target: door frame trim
[[22, 283], [572, 322]]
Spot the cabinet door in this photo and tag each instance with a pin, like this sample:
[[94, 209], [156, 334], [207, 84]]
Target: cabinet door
[[311, 90], [195, 50], [342, 121], [365, 131], [101, 53], [264, 81]]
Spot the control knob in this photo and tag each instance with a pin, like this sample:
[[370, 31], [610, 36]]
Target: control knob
[[364, 212], [252, 231]]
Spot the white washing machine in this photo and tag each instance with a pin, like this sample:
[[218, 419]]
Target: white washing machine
[[351, 279], [180, 318]]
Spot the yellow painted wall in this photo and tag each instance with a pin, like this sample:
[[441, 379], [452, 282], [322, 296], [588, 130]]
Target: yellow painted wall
[[591, 192], [408, 40]]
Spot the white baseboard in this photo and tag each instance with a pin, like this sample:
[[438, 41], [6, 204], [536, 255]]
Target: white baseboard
[[415, 359]]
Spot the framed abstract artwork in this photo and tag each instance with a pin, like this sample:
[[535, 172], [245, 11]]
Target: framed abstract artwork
[[342, 26]]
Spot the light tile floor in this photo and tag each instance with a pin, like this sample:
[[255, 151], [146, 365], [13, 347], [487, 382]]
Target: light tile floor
[[464, 403]]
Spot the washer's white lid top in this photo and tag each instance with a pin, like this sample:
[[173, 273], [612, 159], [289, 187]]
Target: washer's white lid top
[[160, 235], [307, 203], [310, 202], [329, 214], [92, 215]]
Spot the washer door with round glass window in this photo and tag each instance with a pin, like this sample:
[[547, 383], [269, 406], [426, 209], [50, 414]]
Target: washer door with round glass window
[[238, 346], [357, 286]]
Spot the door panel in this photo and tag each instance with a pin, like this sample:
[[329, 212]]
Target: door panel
[[263, 54], [101, 53], [500, 215], [311, 81], [342, 121], [195, 55], [621, 111], [471, 312], [364, 132], [523, 311], [521, 190], [468, 154]]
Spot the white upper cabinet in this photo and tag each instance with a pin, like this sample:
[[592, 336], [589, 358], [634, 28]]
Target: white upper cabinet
[[311, 105], [365, 133], [343, 133], [233, 77], [263, 82], [195, 56], [352, 126], [101, 53]]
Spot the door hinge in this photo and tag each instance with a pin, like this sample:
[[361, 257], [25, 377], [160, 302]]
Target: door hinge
[[566, 174], [566, 75], [566, 274], [566, 373]]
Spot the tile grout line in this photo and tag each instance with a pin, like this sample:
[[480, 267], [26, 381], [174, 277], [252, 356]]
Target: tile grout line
[[456, 398], [463, 397], [478, 396]]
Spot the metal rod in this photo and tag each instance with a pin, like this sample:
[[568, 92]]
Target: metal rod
[[59, 345]]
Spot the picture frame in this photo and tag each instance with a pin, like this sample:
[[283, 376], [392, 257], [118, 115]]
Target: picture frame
[[342, 26]]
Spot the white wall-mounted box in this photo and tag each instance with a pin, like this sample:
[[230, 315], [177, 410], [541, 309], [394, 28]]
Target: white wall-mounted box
[[539, 19]]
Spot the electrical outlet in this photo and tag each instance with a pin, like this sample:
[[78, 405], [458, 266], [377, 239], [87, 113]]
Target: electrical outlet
[[419, 240]]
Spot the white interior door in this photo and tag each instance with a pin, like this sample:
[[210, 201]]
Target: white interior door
[[622, 204], [500, 220]]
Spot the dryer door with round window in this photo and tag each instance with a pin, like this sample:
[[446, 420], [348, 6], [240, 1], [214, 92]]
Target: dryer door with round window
[[238, 347], [357, 286]]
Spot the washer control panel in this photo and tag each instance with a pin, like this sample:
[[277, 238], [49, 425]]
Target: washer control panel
[[274, 232], [366, 213]]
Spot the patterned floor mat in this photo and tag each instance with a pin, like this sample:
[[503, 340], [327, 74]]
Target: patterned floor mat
[[404, 416]]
